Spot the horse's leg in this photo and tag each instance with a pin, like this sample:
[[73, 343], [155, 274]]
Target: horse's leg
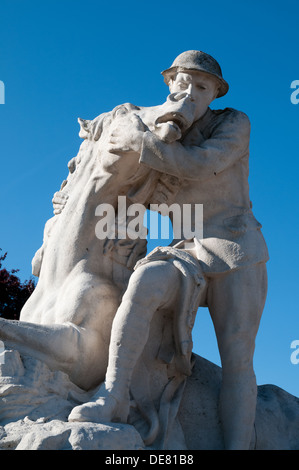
[[56, 345], [76, 339]]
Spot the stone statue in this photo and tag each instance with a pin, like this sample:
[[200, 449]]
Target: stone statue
[[67, 321], [119, 323], [212, 160]]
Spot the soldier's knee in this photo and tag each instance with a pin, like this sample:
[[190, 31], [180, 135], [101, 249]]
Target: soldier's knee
[[153, 281], [237, 354]]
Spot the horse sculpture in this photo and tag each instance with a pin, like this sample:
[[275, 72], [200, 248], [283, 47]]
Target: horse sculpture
[[66, 322]]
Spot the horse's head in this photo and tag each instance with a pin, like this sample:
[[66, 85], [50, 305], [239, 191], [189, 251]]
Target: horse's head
[[170, 120], [176, 116]]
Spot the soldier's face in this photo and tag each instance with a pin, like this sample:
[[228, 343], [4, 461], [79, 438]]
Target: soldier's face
[[201, 88]]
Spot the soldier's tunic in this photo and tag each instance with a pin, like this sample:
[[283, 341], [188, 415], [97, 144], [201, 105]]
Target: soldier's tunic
[[211, 161]]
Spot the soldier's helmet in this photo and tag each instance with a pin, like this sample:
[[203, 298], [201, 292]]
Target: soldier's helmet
[[197, 61]]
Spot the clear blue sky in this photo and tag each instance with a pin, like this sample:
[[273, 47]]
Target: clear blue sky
[[64, 59]]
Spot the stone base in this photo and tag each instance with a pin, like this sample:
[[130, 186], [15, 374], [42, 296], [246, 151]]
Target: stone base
[[35, 403], [59, 435]]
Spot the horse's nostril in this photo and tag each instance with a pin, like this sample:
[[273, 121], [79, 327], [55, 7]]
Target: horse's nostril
[[179, 96]]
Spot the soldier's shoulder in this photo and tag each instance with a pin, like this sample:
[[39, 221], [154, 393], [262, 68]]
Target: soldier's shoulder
[[231, 115]]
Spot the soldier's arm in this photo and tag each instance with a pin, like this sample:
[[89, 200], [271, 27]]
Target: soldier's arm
[[228, 143]]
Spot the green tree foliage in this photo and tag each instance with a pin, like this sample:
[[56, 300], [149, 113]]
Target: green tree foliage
[[13, 293]]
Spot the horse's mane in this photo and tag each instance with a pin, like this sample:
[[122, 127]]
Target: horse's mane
[[92, 129]]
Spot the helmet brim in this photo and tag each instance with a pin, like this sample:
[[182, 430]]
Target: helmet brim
[[168, 73]]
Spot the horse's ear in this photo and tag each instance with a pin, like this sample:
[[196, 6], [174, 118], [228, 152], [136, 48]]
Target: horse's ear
[[84, 128], [92, 129]]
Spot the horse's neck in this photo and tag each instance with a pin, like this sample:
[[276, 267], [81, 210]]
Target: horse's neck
[[149, 116]]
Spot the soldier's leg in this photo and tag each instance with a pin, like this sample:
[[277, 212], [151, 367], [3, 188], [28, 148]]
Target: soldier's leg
[[152, 286], [236, 301]]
